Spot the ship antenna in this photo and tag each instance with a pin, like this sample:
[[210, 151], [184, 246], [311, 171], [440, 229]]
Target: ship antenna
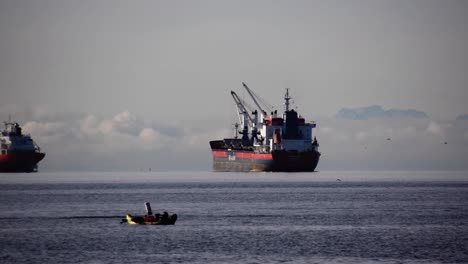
[[286, 99]]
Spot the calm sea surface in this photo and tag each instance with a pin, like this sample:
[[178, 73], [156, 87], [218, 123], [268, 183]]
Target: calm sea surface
[[367, 217]]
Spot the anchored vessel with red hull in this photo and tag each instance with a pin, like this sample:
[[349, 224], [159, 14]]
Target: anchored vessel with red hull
[[268, 142], [18, 152]]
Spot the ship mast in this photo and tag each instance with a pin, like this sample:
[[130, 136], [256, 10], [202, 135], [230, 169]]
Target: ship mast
[[286, 99], [236, 127]]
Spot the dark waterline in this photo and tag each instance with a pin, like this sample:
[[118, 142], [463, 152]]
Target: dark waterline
[[235, 221]]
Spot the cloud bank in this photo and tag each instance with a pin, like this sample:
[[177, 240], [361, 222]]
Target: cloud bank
[[393, 144], [376, 111], [125, 141], [463, 117]]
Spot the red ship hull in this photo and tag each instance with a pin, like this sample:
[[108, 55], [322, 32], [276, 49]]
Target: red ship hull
[[20, 162], [280, 161]]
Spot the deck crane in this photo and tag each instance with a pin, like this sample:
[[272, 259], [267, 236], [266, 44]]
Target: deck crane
[[246, 120], [263, 112], [244, 116]]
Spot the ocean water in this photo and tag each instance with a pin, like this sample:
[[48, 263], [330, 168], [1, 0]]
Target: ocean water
[[364, 217]]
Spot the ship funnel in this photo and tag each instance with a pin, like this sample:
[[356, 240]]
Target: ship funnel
[[148, 209]]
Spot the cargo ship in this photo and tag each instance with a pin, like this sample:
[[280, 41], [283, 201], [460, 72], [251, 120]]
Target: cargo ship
[[18, 152], [267, 142]]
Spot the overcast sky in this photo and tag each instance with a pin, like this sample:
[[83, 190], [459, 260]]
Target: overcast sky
[[92, 78]]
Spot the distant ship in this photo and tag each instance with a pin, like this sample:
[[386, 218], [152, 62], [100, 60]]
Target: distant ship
[[268, 142], [18, 152]]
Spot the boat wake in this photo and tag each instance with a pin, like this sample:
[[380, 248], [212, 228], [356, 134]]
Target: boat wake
[[62, 217]]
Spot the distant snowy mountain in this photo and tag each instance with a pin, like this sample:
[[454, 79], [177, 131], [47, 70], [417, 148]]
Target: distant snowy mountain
[[376, 111]]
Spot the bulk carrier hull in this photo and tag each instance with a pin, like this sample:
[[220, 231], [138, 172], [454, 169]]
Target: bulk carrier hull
[[276, 161]]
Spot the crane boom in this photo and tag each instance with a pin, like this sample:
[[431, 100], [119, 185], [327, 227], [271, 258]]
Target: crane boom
[[244, 116], [254, 99]]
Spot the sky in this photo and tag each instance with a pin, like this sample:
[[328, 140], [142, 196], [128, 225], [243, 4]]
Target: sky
[[130, 85]]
